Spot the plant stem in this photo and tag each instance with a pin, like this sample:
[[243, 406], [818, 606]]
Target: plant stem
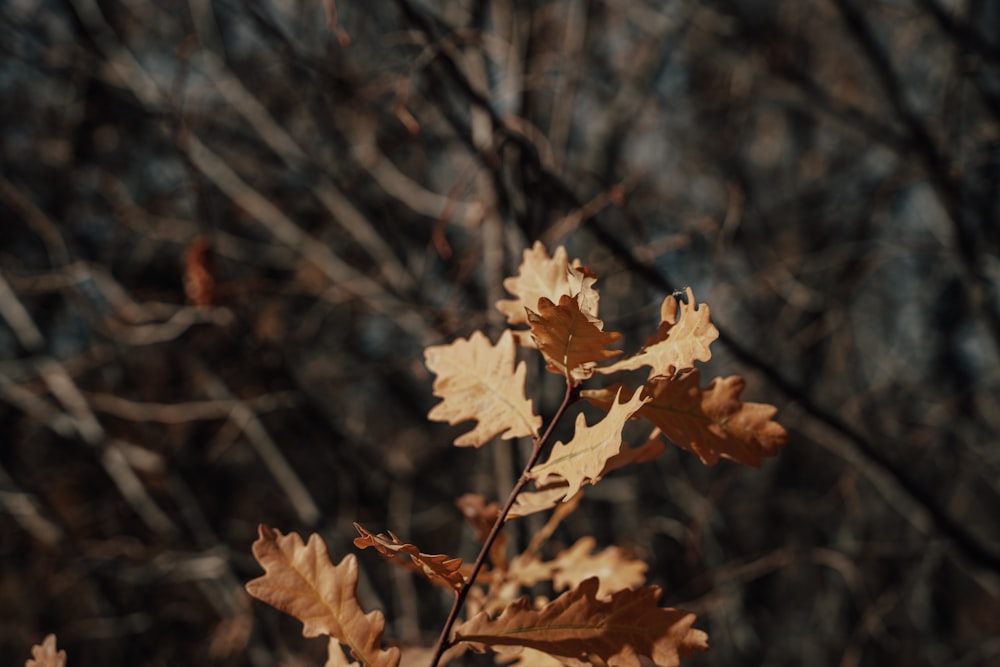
[[443, 643]]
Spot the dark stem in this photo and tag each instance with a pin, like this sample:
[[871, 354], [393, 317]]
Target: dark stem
[[443, 643]]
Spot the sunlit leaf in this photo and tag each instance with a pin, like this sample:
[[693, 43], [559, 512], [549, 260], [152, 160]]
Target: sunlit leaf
[[478, 381], [301, 581]]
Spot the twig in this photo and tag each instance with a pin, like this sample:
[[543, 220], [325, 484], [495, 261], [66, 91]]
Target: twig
[[443, 642]]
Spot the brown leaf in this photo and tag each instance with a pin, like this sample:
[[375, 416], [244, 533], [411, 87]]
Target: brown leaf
[[546, 497], [46, 655], [420, 656], [647, 451], [529, 657], [440, 569], [583, 459], [301, 581], [677, 344], [569, 340], [478, 381], [482, 517], [551, 277], [335, 656], [577, 625], [712, 423], [614, 568]]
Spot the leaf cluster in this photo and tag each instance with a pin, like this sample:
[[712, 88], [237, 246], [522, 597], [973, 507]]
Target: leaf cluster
[[605, 612]]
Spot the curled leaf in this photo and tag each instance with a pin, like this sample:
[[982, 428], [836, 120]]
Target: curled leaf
[[482, 517], [478, 381], [300, 580], [570, 341], [438, 568], [577, 626], [712, 422]]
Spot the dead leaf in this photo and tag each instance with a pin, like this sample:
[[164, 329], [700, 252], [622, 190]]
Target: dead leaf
[[614, 568], [577, 625], [571, 343], [544, 498], [335, 656], [647, 451], [46, 655], [529, 657], [438, 568], [420, 656], [550, 277], [478, 381], [712, 423], [583, 459], [677, 344], [482, 517], [301, 581]]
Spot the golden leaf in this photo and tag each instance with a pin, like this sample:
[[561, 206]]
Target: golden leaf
[[677, 344], [583, 459], [46, 655], [482, 518], [647, 451], [712, 423], [478, 381], [544, 498], [614, 568], [550, 277], [577, 626], [570, 342], [440, 569], [300, 580]]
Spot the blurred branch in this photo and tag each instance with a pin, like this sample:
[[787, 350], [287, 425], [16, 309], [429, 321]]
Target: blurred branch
[[188, 411], [243, 415], [25, 510], [941, 173], [133, 76], [349, 218], [76, 411]]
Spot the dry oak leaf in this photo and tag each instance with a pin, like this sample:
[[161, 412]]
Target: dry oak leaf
[[545, 498], [438, 568], [551, 277], [584, 457], [420, 656], [576, 626], [482, 517], [571, 343], [46, 655], [529, 657], [525, 571], [712, 423], [301, 581], [647, 451], [614, 568], [478, 381], [677, 344]]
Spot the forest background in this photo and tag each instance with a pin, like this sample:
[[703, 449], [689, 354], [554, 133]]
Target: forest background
[[230, 228]]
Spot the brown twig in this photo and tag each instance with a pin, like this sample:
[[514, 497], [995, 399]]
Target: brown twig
[[443, 642]]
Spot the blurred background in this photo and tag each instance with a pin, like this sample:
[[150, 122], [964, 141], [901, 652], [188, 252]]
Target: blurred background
[[229, 228]]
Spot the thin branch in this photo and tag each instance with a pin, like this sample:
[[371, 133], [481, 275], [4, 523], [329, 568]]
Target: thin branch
[[444, 642]]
